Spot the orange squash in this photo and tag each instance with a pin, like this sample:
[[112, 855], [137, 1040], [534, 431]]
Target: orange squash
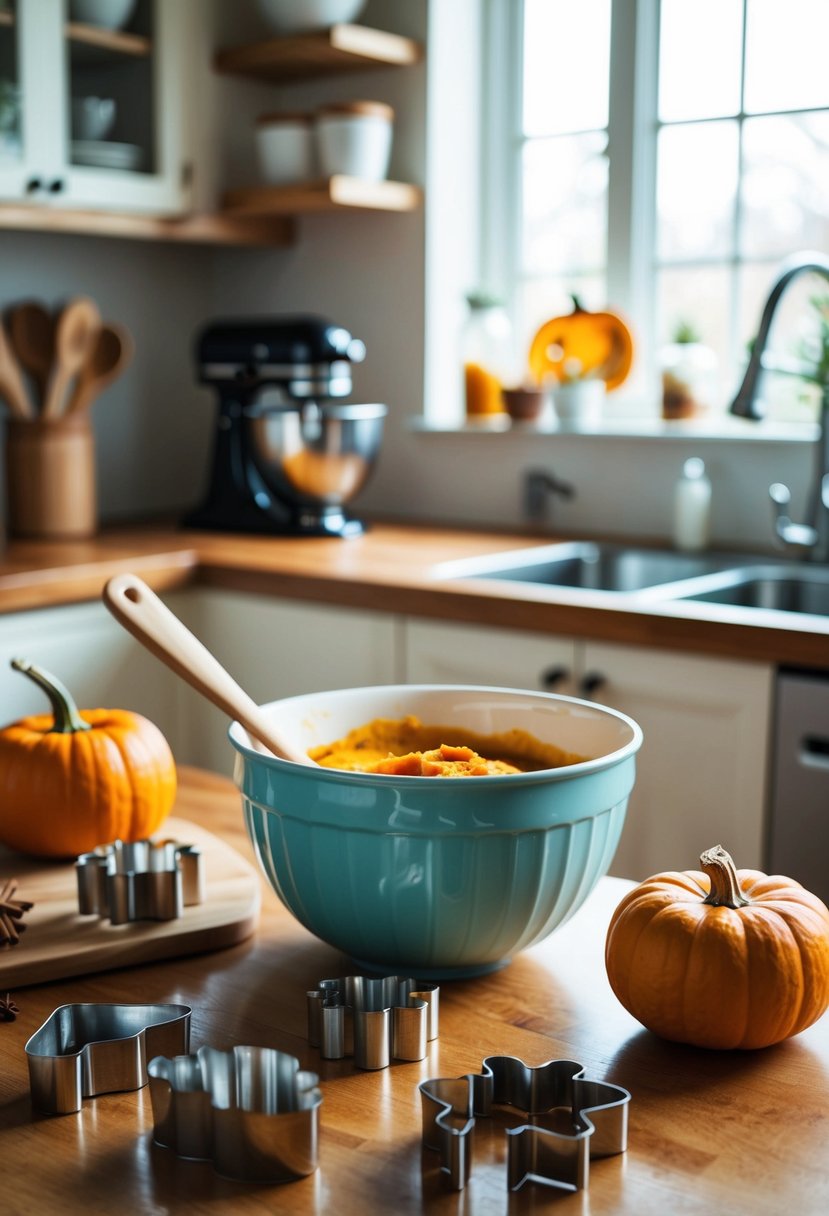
[[599, 342], [722, 959], [71, 780]]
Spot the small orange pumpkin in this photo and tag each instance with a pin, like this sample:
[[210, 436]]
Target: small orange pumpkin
[[724, 958], [599, 342], [71, 780]]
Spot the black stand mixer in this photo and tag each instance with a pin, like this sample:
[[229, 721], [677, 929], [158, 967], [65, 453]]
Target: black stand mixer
[[287, 455]]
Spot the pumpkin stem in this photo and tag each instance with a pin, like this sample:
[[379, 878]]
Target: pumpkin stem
[[577, 304], [67, 718], [725, 885]]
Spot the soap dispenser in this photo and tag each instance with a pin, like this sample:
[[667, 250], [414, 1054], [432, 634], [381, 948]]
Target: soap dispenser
[[692, 506]]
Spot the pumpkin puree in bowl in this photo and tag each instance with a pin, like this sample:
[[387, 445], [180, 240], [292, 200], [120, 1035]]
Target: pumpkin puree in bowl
[[407, 748]]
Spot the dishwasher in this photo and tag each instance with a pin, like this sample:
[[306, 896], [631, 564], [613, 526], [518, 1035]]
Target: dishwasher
[[799, 827]]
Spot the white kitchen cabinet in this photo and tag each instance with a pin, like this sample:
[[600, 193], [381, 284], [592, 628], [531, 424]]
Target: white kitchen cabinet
[[281, 648], [701, 772], [46, 60], [98, 661]]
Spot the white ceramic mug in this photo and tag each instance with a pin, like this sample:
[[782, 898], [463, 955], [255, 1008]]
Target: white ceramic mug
[[354, 138]]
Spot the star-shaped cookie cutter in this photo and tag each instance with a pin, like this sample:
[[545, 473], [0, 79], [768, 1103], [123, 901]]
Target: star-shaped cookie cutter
[[373, 1019], [598, 1115]]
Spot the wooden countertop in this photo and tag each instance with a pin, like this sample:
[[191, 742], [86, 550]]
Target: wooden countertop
[[392, 568], [709, 1131]]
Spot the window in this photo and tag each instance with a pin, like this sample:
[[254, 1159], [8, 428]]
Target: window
[[662, 157]]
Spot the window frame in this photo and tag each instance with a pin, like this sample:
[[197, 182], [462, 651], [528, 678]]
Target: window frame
[[632, 264]]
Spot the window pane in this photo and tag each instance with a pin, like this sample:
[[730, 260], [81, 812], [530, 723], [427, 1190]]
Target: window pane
[[785, 193], [696, 190], [566, 65], [699, 298], [786, 55], [699, 58], [565, 204]]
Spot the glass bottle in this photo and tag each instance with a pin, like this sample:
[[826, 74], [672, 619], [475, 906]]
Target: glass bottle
[[486, 344]]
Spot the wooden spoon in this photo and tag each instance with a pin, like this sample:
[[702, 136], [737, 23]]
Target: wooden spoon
[[77, 328], [147, 618], [32, 333], [12, 388], [111, 354]]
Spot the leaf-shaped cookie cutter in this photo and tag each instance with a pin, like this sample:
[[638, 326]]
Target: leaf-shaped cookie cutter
[[375, 1019], [82, 1051], [252, 1111], [598, 1113], [142, 880]]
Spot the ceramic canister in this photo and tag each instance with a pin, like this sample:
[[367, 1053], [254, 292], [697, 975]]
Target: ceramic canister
[[354, 138]]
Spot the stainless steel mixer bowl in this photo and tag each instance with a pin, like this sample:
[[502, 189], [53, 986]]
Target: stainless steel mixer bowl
[[316, 454]]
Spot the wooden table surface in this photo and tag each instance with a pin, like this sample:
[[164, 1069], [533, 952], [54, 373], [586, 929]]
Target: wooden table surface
[[709, 1132]]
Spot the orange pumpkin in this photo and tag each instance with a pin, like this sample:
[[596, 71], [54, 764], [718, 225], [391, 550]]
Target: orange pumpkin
[[724, 958], [71, 780], [599, 342]]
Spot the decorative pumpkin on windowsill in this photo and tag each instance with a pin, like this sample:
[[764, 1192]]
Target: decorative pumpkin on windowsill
[[71, 780], [725, 959], [599, 342]]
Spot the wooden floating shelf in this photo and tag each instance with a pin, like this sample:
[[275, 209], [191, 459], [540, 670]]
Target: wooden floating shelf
[[328, 52], [333, 194], [110, 42], [275, 232]]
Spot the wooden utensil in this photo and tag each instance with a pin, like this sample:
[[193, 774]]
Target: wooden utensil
[[32, 333], [77, 329], [12, 388], [148, 619], [111, 354]]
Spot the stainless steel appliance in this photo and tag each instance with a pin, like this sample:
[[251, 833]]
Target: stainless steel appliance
[[288, 452], [799, 839]]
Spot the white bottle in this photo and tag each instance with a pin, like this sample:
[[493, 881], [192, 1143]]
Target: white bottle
[[692, 506]]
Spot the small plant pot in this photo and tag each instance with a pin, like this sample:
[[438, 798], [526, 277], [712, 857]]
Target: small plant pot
[[580, 401], [524, 404]]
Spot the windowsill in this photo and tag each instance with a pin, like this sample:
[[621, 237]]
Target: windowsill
[[722, 427]]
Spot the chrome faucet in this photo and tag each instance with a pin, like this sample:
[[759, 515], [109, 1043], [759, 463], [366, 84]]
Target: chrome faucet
[[809, 539], [539, 486]]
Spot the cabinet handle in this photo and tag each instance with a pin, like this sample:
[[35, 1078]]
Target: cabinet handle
[[56, 185], [33, 185], [551, 677], [590, 683]]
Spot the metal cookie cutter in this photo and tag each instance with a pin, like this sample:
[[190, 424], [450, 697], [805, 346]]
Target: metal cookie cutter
[[251, 1111], [374, 1020], [598, 1113], [145, 880], [81, 1051]]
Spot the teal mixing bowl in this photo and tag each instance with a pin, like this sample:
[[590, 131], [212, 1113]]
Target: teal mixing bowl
[[437, 877]]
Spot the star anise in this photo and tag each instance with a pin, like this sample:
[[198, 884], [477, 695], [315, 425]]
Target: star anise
[[11, 913], [8, 1009]]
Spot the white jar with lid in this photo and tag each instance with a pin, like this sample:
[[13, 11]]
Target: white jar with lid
[[692, 506], [354, 138], [285, 148]]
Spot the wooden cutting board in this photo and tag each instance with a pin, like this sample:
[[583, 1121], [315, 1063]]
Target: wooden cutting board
[[58, 942]]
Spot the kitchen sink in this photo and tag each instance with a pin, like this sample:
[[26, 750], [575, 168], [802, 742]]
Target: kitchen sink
[[590, 565], [781, 588]]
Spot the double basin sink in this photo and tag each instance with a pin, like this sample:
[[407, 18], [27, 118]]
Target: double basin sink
[[653, 575]]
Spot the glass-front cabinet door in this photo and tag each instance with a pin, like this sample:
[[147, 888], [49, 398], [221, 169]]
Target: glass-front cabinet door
[[92, 96]]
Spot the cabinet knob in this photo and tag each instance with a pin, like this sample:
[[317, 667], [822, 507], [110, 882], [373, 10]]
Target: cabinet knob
[[552, 677], [590, 683], [33, 185], [55, 185]]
